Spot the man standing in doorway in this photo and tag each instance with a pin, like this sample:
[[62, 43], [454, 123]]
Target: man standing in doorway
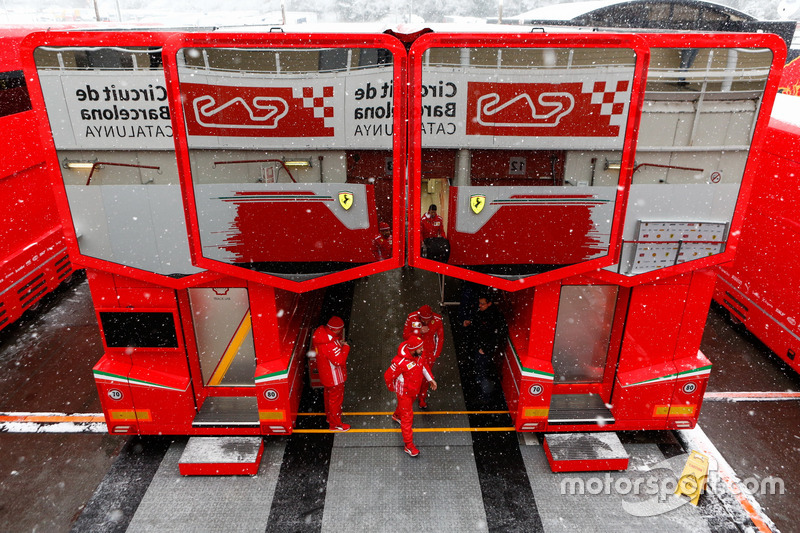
[[427, 325], [489, 333], [435, 245], [432, 224], [404, 377], [331, 353]]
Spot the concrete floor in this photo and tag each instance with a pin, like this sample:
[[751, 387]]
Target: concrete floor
[[46, 359], [758, 438], [97, 482]]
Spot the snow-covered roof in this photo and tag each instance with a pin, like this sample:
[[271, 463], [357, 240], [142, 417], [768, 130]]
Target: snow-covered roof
[[789, 9], [562, 11]]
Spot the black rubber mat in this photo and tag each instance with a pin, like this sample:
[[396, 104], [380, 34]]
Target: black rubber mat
[[508, 499], [119, 494], [299, 500]]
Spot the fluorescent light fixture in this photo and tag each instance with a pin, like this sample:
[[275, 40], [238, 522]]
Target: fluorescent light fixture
[[301, 163], [79, 165], [616, 165]]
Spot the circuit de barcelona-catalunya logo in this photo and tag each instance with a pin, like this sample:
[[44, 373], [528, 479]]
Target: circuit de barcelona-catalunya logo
[[571, 109], [229, 111], [265, 111], [547, 112]]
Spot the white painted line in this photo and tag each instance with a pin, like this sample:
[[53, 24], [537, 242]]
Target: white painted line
[[753, 396], [59, 427], [39, 422]]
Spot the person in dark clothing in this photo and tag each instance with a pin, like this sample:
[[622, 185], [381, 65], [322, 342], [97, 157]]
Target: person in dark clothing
[[468, 304], [489, 334]]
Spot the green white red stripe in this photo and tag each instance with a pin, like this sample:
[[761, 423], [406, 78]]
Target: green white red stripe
[[557, 200], [276, 376], [529, 372], [114, 378], [105, 376], [277, 198], [702, 371]]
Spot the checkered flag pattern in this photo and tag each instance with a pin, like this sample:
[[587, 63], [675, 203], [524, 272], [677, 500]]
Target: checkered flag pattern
[[612, 97], [320, 99]]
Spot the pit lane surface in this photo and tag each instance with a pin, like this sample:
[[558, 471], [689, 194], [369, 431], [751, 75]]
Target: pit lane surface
[[473, 473]]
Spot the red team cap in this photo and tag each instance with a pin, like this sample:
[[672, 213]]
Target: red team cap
[[413, 343], [335, 323], [426, 312]]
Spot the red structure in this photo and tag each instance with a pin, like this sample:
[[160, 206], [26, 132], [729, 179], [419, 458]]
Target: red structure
[[605, 247], [33, 254], [232, 177], [594, 178], [758, 288]]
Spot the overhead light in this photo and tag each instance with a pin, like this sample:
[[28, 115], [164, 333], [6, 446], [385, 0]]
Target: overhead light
[[95, 165], [79, 165], [616, 165], [301, 163]]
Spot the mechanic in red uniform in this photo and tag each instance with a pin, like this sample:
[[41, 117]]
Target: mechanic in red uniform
[[331, 353], [404, 377], [382, 244], [426, 324], [432, 224]]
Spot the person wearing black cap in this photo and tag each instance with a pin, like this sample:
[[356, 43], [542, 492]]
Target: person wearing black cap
[[426, 324], [331, 352], [404, 377]]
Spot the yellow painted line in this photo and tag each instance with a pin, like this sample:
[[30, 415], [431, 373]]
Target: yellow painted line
[[390, 413], [230, 353], [397, 430]]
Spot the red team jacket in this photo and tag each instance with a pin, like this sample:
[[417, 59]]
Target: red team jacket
[[331, 356], [406, 372], [433, 341], [432, 226], [382, 247]]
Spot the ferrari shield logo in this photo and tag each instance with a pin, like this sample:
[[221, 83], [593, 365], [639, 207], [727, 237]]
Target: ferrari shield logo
[[476, 202], [346, 200]]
